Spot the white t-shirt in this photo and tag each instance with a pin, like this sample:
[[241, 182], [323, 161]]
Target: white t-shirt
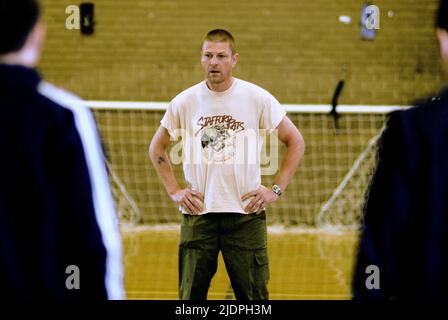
[[222, 139]]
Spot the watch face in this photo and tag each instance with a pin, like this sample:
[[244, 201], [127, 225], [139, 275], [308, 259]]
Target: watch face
[[277, 190]]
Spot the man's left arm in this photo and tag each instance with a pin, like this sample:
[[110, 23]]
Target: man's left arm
[[293, 140]]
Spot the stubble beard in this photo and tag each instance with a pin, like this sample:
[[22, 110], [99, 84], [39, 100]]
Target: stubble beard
[[217, 80]]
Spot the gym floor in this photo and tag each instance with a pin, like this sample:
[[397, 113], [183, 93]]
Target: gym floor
[[303, 265]]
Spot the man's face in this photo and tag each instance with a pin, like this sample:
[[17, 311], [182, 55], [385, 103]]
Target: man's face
[[218, 61]]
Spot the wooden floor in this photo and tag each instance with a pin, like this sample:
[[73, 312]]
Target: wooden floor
[[310, 265]]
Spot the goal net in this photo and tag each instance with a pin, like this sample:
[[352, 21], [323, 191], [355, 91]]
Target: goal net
[[326, 194], [327, 190]]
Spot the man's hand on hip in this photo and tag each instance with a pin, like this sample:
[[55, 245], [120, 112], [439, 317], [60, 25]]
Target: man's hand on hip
[[262, 197], [192, 201]]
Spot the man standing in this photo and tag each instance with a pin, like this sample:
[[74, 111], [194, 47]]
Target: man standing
[[59, 236], [404, 240], [220, 120]]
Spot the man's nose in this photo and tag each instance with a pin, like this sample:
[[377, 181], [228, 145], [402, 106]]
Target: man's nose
[[214, 61]]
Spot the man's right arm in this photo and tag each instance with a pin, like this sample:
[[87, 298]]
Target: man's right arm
[[191, 200]]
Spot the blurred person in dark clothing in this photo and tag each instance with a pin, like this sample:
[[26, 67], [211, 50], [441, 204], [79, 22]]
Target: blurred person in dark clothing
[[59, 235], [405, 229]]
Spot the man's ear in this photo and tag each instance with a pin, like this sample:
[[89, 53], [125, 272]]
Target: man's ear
[[37, 36], [235, 59], [30, 53], [442, 35]]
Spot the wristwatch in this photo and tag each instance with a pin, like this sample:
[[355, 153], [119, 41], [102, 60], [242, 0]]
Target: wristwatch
[[277, 190]]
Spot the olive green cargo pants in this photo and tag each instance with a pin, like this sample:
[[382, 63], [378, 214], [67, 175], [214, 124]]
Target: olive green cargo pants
[[243, 242]]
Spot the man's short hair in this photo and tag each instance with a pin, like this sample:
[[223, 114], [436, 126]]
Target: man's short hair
[[17, 19], [220, 35], [442, 15]]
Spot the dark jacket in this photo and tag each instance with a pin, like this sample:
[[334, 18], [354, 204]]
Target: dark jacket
[[48, 216], [405, 229]]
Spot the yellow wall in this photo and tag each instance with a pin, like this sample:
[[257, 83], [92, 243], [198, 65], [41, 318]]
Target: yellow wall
[[149, 49]]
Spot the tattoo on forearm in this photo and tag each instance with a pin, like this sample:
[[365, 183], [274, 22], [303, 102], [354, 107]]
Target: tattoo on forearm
[[161, 160]]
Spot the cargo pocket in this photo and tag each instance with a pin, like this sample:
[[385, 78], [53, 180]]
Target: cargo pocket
[[261, 276], [261, 258]]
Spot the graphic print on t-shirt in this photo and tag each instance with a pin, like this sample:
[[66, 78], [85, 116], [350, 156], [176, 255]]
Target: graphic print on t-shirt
[[218, 136]]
